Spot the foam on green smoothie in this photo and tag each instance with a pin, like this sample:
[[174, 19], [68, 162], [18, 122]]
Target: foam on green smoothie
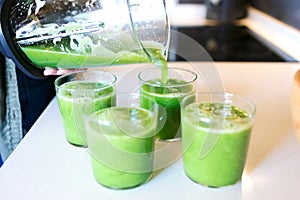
[[169, 88], [84, 89], [231, 118]]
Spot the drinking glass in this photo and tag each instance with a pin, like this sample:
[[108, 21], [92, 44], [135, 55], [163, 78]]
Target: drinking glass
[[95, 89], [216, 132], [121, 142], [179, 83]]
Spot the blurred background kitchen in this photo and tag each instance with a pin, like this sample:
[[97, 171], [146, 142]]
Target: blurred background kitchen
[[286, 11], [238, 30]]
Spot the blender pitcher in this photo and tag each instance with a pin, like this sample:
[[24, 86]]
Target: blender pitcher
[[72, 34]]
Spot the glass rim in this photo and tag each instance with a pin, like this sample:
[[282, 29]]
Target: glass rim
[[127, 104], [109, 84], [168, 86], [226, 95]]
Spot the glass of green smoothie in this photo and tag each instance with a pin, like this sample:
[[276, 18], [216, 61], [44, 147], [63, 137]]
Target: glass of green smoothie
[[95, 89], [177, 84], [215, 137], [121, 142]]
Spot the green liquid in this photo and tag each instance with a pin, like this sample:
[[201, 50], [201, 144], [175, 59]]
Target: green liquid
[[73, 97], [43, 57], [223, 164], [82, 54], [160, 61], [86, 44], [169, 98], [121, 143]]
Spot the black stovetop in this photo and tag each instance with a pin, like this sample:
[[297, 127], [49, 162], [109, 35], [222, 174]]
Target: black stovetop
[[224, 43]]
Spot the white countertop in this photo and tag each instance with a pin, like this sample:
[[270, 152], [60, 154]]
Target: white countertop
[[44, 166]]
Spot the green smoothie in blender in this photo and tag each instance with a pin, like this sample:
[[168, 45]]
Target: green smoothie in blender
[[81, 52]]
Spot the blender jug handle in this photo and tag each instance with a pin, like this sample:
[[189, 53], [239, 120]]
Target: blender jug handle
[[7, 46]]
